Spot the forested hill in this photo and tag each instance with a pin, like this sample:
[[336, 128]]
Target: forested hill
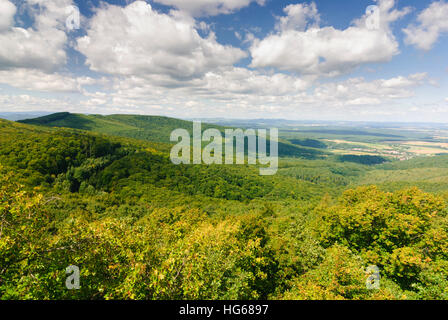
[[149, 128], [140, 227], [71, 159]]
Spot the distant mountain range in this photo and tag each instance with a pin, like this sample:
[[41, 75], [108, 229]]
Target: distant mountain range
[[283, 123], [15, 116]]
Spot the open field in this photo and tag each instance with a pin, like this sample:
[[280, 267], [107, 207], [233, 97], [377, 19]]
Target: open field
[[399, 143]]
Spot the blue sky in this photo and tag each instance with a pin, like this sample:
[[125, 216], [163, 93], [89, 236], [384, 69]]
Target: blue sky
[[311, 60]]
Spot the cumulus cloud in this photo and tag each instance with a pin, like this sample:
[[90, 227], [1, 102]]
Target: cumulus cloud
[[136, 40], [209, 7], [32, 57], [232, 85], [298, 17], [358, 92], [241, 81], [36, 80], [25, 102], [239, 92], [40, 46], [162, 63], [432, 22], [7, 12], [326, 51]]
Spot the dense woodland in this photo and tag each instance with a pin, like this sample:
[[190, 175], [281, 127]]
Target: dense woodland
[[111, 202]]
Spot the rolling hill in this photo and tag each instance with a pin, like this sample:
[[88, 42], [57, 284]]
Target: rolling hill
[[148, 128]]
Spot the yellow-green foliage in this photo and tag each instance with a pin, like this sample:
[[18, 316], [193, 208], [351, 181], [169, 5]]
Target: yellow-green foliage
[[139, 227], [342, 275], [168, 254], [404, 233]]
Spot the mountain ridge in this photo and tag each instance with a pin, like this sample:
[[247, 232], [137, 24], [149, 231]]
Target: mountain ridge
[[148, 128]]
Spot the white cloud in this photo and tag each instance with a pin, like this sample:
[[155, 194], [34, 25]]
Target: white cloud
[[357, 91], [239, 92], [31, 79], [240, 81], [25, 102], [298, 17], [41, 46], [136, 40], [227, 90], [387, 14], [323, 51], [160, 64], [209, 7], [7, 12], [326, 51], [433, 21]]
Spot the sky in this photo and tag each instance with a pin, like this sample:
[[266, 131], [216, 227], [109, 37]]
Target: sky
[[359, 60]]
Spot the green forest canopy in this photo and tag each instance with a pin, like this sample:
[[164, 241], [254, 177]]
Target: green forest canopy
[[141, 228]]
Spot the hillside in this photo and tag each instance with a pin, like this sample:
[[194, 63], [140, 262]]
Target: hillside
[[149, 128], [140, 227]]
